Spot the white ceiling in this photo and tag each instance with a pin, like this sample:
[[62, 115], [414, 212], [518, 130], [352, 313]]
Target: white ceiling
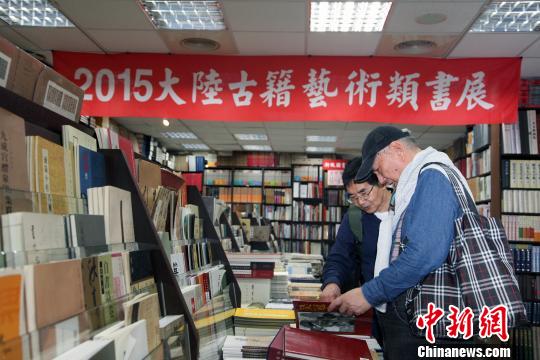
[[278, 27]]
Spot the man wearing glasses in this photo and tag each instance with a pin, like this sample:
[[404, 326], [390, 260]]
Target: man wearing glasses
[[352, 258]]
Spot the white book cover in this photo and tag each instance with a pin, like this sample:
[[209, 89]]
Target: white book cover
[[85, 351], [130, 342], [24, 231], [72, 138], [118, 215], [120, 288]]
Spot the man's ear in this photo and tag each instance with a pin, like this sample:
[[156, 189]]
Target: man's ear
[[398, 148]]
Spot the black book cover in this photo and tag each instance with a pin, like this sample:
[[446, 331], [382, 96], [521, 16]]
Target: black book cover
[[524, 132]]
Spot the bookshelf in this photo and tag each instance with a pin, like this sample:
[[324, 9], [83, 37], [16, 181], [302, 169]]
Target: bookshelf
[[512, 152], [47, 124]]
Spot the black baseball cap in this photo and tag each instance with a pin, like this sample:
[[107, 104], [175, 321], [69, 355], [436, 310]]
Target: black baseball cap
[[377, 139]]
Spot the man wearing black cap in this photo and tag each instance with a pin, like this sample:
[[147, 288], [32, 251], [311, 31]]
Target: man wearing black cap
[[425, 209]]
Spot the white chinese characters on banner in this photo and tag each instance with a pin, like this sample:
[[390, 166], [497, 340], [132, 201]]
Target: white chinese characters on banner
[[475, 92], [278, 87], [403, 90], [441, 90], [209, 85], [167, 86], [317, 88], [362, 88], [242, 97]]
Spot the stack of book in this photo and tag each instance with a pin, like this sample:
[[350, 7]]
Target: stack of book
[[522, 136], [249, 347], [522, 228], [261, 322], [526, 257]]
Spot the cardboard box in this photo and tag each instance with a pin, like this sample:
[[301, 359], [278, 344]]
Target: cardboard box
[[58, 94], [26, 74], [9, 55]]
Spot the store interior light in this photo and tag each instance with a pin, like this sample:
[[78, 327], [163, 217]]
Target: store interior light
[[166, 122], [508, 16], [179, 135], [321, 149], [251, 137], [317, 138], [185, 15], [196, 146], [257, 147], [348, 16], [32, 13]]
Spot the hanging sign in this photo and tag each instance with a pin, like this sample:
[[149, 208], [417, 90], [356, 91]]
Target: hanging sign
[[296, 88]]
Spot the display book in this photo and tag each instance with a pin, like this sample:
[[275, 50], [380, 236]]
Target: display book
[[117, 173], [319, 334], [194, 256], [67, 256], [511, 151]]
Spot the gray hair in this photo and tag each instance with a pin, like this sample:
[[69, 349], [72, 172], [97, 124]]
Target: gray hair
[[409, 142]]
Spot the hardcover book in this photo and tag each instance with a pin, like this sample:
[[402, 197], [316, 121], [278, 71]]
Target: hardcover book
[[91, 170], [314, 315]]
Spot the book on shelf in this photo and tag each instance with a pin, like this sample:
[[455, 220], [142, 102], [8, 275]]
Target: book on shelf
[[306, 191], [247, 195], [13, 322], [522, 228], [521, 201], [275, 196], [303, 211], [115, 205], [520, 174], [529, 284], [480, 187], [14, 163], [277, 178], [110, 139], [306, 173], [277, 212], [247, 178], [130, 341], [72, 139], [526, 257], [521, 137], [237, 347]]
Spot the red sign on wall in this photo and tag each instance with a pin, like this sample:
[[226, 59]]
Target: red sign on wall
[[296, 88], [334, 164]]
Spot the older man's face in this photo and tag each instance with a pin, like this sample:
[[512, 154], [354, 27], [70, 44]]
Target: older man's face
[[387, 166]]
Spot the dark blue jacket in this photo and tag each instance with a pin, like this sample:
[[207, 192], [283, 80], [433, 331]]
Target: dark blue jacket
[[351, 261]]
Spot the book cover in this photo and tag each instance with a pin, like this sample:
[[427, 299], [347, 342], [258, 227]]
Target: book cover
[[91, 349], [314, 345], [275, 350], [12, 148], [145, 307], [140, 266], [118, 275], [118, 215], [314, 315], [92, 291], [12, 312], [87, 231], [106, 288], [91, 170], [130, 341], [42, 304], [72, 138]]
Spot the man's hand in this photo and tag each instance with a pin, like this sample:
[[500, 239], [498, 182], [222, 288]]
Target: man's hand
[[351, 303], [330, 292]]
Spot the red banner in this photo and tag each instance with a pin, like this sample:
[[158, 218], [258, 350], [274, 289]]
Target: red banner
[[296, 88]]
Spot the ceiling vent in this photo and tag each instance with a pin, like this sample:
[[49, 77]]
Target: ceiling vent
[[413, 47], [200, 44]]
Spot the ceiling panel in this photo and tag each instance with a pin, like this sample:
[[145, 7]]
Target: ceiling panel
[[491, 45], [265, 15], [63, 39], [353, 44], [458, 16], [328, 125], [173, 39], [229, 147], [533, 50], [270, 43], [530, 67], [106, 14], [244, 124], [444, 42], [284, 125], [129, 41]]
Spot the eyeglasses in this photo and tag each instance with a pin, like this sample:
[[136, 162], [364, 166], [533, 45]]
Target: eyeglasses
[[361, 195]]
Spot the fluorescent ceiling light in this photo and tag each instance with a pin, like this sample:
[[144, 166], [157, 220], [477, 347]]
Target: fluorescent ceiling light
[[185, 15], [179, 135], [250, 137], [520, 16], [348, 16], [321, 149], [257, 147], [32, 13], [196, 146], [317, 138]]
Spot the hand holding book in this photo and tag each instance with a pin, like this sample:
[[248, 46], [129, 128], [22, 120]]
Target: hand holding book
[[352, 302]]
